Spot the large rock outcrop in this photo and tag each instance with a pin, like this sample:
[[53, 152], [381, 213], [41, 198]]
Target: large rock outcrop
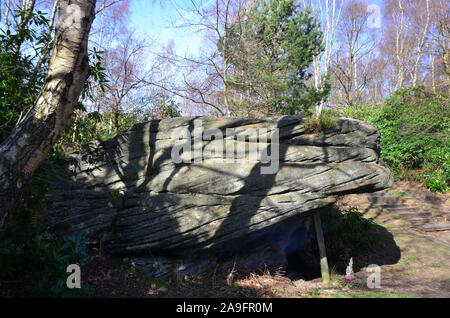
[[134, 195]]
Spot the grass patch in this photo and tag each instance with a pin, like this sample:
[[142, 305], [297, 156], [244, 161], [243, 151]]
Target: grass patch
[[317, 124]]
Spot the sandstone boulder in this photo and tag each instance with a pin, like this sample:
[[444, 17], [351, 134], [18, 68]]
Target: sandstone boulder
[[143, 194]]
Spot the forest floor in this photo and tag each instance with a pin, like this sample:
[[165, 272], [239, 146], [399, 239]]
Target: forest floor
[[422, 270]]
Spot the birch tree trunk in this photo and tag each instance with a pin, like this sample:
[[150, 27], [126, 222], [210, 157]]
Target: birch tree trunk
[[433, 73], [399, 49], [445, 51], [328, 20], [7, 11], [421, 45], [29, 144]]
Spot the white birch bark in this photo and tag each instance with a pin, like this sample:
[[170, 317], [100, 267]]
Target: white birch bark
[[29, 144], [421, 44]]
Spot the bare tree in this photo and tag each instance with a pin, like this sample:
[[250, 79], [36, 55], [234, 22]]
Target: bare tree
[[205, 80], [398, 43], [125, 72], [439, 45], [352, 63]]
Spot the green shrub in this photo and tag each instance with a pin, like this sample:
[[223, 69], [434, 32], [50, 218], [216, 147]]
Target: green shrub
[[348, 234], [364, 112], [20, 80], [437, 169], [436, 181], [352, 229], [414, 126], [39, 261], [31, 256], [413, 123]]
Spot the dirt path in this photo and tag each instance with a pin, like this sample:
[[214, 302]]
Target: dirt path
[[413, 216]]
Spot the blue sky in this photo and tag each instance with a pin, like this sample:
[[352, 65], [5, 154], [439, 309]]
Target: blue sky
[[157, 17]]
